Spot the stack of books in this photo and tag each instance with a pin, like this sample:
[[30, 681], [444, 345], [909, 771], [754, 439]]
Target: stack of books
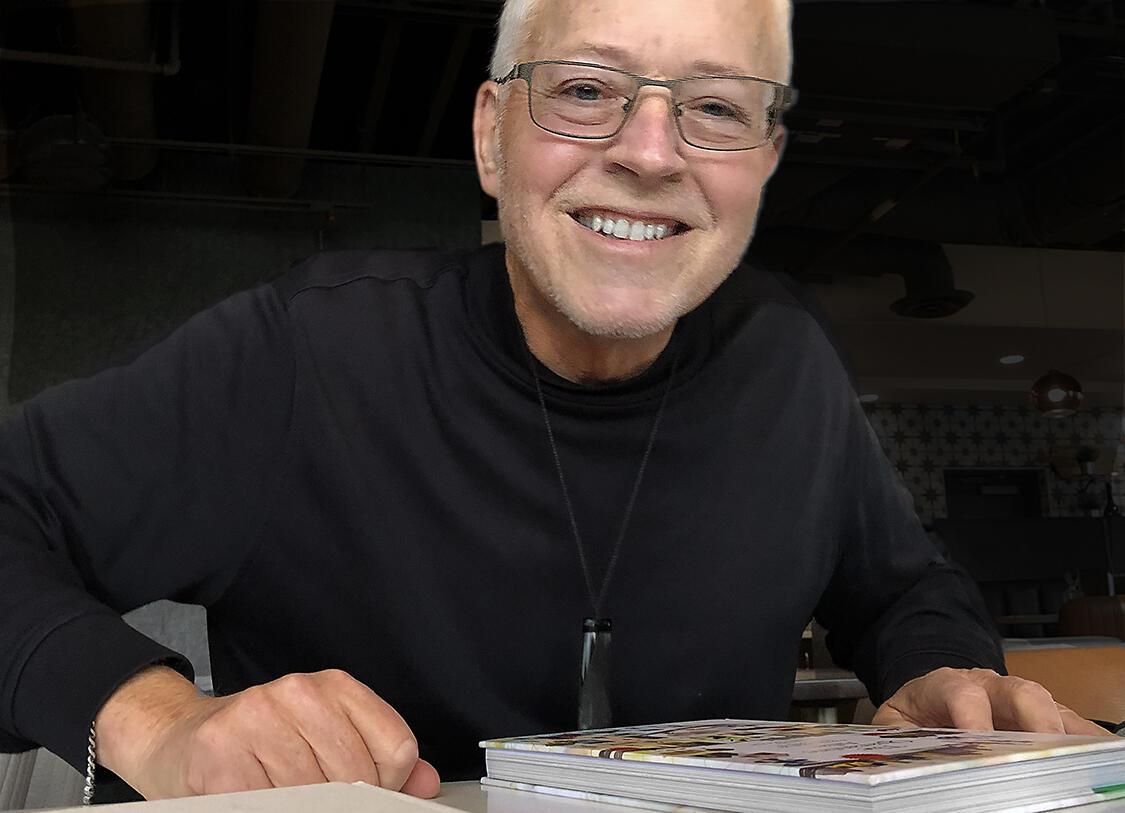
[[748, 765]]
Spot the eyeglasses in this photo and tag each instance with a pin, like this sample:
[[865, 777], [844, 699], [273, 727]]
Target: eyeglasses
[[583, 100]]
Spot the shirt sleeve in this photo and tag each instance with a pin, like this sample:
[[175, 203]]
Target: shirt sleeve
[[895, 608], [144, 482]]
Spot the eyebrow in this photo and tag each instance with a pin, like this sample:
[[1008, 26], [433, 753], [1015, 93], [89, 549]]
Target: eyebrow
[[622, 58]]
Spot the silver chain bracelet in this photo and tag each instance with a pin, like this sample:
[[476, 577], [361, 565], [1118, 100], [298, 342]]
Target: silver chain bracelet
[[91, 765]]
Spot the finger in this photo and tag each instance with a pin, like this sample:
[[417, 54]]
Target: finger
[[238, 773], [339, 749], [890, 717], [1023, 705], [388, 738], [968, 706], [1076, 724], [423, 781], [289, 761]]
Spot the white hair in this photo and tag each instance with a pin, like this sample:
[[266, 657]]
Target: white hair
[[511, 33], [514, 30]]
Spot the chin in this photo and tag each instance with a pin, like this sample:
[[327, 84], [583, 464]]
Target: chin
[[616, 320]]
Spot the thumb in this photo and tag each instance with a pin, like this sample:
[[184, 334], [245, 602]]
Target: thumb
[[887, 715], [423, 781]]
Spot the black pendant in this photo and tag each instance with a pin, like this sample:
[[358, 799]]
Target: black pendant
[[593, 679]]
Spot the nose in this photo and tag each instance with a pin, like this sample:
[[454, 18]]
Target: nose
[[649, 143]]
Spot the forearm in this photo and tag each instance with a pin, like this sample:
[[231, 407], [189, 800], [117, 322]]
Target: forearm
[[137, 713], [110, 498], [939, 621]]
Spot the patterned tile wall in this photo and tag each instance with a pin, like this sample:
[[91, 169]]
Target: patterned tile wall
[[922, 440]]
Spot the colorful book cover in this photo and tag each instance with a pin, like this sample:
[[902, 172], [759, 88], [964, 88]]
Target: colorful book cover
[[867, 755]]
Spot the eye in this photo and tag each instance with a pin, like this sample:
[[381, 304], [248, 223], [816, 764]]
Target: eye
[[718, 109], [584, 91]]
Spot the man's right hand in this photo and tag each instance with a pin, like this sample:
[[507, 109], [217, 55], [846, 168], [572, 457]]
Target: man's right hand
[[158, 734]]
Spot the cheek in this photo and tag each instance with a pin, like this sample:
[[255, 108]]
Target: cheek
[[538, 165], [734, 197]]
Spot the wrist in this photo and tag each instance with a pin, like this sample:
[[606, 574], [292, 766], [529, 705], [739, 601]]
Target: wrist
[[138, 715]]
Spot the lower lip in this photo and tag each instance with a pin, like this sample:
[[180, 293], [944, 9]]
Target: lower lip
[[620, 244]]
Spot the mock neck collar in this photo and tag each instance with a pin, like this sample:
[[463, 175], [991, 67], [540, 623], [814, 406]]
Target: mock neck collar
[[491, 313]]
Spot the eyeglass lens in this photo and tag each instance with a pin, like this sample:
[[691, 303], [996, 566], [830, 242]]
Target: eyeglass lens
[[591, 102]]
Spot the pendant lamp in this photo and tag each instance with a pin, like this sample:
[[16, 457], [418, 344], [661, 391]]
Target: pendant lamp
[[1057, 395]]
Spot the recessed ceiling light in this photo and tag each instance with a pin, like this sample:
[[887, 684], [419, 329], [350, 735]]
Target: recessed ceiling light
[[1014, 359], [869, 398]]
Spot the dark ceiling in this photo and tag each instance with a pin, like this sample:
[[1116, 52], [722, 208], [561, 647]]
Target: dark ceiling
[[976, 122]]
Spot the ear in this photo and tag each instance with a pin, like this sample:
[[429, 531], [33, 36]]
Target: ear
[[486, 137]]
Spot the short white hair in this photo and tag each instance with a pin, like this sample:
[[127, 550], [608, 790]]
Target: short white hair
[[514, 30]]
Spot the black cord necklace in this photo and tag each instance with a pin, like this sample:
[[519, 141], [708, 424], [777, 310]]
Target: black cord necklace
[[593, 677]]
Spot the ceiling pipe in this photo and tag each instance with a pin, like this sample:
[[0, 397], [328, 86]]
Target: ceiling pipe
[[291, 205], [122, 102], [329, 156], [290, 43], [169, 68]]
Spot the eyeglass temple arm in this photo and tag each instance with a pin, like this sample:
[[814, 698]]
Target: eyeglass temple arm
[[514, 73]]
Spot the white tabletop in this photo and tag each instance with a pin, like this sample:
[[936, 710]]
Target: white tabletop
[[468, 797]]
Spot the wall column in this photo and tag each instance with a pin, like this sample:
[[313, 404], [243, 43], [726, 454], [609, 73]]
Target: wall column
[[7, 299]]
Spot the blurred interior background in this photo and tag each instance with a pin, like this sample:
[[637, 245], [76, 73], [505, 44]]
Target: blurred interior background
[[951, 202]]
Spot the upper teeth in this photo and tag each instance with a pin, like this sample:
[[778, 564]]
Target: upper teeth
[[624, 229]]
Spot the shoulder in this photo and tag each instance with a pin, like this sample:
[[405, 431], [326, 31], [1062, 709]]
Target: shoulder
[[756, 302], [336, 270], [752, 294], [749, 284]]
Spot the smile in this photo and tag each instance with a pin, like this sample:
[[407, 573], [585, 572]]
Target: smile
[[622, 228]]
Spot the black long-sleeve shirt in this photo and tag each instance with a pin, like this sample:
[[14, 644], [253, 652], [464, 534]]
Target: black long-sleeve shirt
[[349, 469]]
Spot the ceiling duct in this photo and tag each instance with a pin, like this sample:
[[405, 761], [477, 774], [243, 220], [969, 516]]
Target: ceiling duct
[[290, 42], [923, 266], [1031, 177], [1075, 200], [121, 102]]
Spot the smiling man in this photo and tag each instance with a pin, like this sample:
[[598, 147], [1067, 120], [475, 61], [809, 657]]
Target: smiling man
[[600, 303], [416, 491]]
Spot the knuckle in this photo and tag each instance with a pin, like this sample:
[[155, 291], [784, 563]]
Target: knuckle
[[254, 703], [298, 689], [961, 677], [1029, 690], [404, 752], [336, 679], [970, 695]]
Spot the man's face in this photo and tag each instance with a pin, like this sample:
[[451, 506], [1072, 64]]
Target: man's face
[[546, 184]]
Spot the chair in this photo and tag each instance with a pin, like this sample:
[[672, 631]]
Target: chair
[[1027, 568], [1089, 680], [1093, 615]]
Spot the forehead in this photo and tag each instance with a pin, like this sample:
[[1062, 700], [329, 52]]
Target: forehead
[[661, 38]]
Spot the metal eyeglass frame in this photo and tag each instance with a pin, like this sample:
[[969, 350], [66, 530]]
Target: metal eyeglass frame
[[523, 70]]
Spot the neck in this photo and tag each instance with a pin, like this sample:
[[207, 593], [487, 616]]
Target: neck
[[575, 355]]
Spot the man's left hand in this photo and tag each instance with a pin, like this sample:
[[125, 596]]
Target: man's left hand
[[980, 700]]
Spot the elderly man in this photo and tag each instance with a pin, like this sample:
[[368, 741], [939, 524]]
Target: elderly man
[[400, 482]]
